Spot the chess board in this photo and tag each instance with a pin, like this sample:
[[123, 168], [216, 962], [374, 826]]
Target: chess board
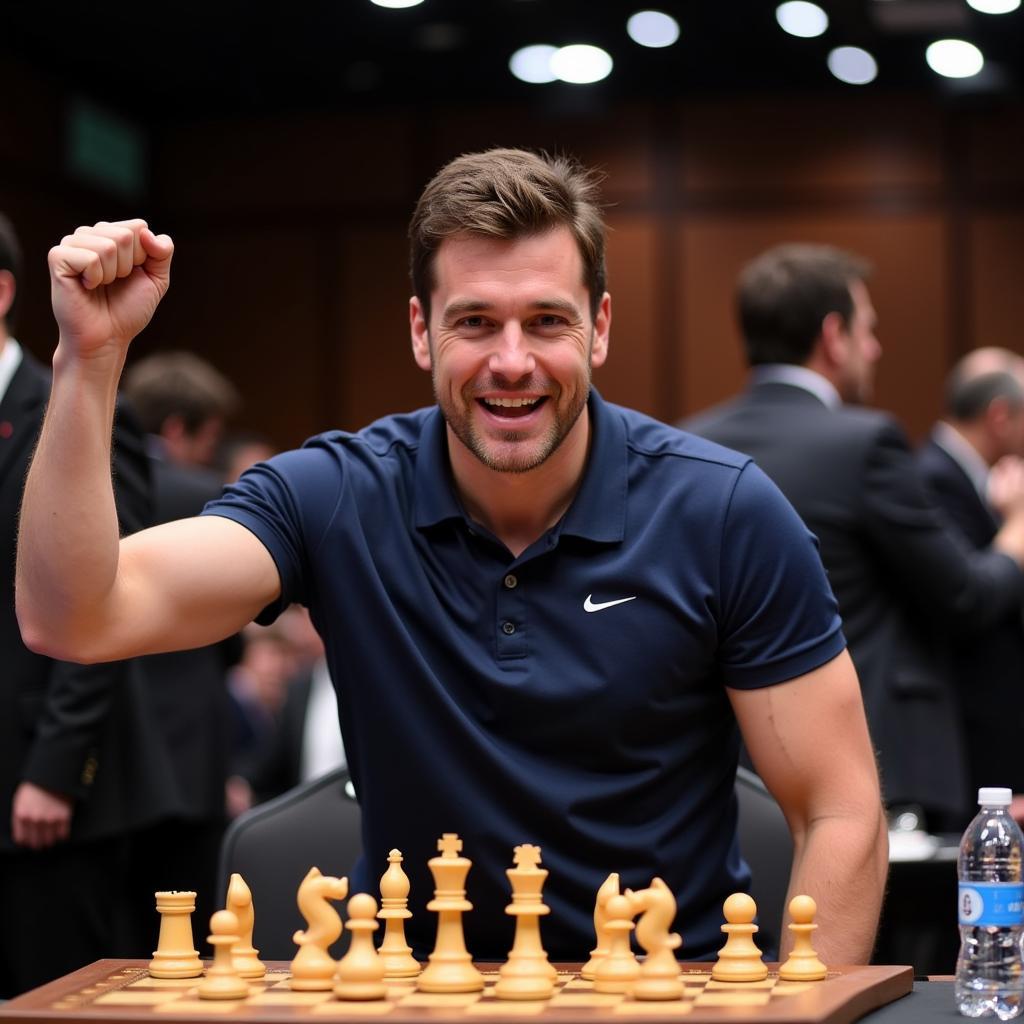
[[121, 992]]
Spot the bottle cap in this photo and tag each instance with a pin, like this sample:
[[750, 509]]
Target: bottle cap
[[989, 796]]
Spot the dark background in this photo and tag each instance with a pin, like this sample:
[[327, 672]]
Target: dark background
[[283, 147]]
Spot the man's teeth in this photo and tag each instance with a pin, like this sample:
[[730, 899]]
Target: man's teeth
[[511, 403]]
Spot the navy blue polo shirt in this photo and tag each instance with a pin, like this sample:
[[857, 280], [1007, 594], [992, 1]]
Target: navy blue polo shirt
[[574, 696]]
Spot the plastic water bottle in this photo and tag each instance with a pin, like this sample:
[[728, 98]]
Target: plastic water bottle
[[989, 969]]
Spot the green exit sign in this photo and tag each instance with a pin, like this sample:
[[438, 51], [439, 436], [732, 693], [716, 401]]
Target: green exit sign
[[106, 150]]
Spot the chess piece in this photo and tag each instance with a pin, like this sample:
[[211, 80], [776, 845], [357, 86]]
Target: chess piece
[[450, 968], [609, 888], [394, 901], [659, 973], [739, 959], [526, 974], [617, 971], [174, 956], [247, 961], [360, 973], [222, 980], [803, 963], [313, 967]]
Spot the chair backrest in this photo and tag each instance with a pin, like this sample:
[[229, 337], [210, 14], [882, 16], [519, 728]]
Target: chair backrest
[[768, 848], [274, 845]]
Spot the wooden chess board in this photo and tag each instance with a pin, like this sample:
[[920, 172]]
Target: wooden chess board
[[121, 992]]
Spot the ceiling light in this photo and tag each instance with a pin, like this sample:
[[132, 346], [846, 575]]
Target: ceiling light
[[994, 6], [799, 18], [954, 58], [581, 64], [852, 65], [652, 28], [396, 4], [533, 63]]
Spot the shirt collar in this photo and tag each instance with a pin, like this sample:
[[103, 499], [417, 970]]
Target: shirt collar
[[598, 512], [10, 360], [798, 377], [964, 454]]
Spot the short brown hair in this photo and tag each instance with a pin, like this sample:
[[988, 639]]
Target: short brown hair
[[784, 295], [10, 259], [178, 384], [508, 193]]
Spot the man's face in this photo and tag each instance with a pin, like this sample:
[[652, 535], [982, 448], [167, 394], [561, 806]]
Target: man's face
[[861, 350], [510, 344]]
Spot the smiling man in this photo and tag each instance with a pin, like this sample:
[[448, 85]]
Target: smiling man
[[547, 618]]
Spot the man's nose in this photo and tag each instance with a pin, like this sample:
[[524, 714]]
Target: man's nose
[[512, 356]]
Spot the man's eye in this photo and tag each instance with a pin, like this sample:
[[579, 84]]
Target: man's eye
[[472, 321], [549, 320]]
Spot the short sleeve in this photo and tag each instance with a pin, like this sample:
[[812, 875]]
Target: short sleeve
[[779, 617], [284, 503]]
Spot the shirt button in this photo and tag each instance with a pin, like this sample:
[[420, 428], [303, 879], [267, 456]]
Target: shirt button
[[508, 628], [511, 582]]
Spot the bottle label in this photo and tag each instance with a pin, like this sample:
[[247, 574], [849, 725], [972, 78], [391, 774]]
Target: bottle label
[[991, 904]]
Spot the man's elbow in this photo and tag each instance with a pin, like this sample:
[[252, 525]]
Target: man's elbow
[[42, 638]]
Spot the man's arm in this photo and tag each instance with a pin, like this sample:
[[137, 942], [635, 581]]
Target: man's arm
[[808, 741], [83, 594]]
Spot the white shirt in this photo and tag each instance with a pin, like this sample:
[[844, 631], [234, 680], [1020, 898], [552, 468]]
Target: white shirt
[[322, 749], [799, 377], [10, 360]]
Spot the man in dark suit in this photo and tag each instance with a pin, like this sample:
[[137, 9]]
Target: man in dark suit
[[903, 580], [69, 734], [182, 403], [982, 431]]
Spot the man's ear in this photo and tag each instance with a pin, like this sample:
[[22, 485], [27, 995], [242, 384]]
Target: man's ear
[[8, 288], [831, 342], [602, 330], [420, 333]]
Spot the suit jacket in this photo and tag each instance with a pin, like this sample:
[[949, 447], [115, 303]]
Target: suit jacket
[[903, 580], [189, 687], [83, 730], [989, 665]]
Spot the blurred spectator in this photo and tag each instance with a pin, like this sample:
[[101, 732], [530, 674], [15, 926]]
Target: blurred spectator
[[240, 450], [966, 462]]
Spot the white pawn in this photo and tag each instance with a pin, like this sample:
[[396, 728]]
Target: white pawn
[[619, 969], [739, 959], [803, 963], [360, 973], [222, 980]]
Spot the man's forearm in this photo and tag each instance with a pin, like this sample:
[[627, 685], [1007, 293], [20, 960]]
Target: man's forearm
[[842, 863], [68, 536]]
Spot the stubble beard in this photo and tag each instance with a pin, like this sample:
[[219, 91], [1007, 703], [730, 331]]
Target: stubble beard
[[509, 453]]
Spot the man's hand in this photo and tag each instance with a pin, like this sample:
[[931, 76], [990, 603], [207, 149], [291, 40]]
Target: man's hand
[[39, 817], [1006, 486], [105, 284]]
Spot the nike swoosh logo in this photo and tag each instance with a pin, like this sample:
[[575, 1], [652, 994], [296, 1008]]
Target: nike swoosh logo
[[591, 606]]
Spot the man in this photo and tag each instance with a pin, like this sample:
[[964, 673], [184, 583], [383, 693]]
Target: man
[[543, 614], [983, 429], [183, 403], [65, 789], [903, 583]]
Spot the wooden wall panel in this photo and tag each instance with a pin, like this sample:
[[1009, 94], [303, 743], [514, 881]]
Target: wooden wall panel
[[630, 375], [996, 270], [994, 149], [909, 289], [376, 374], [249, 301], [804, 147]]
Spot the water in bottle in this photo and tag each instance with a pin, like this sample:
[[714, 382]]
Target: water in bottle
[[989, 969]]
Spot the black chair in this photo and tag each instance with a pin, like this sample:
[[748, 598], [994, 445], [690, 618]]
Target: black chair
[[274, 845], [768, 848]]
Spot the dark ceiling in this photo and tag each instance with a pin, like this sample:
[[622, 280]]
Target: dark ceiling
[[226, 57]]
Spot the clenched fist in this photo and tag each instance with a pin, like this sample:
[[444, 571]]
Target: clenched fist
[[106, 282]]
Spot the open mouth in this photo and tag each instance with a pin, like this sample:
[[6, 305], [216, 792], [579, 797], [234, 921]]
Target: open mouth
[[512, 408]]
